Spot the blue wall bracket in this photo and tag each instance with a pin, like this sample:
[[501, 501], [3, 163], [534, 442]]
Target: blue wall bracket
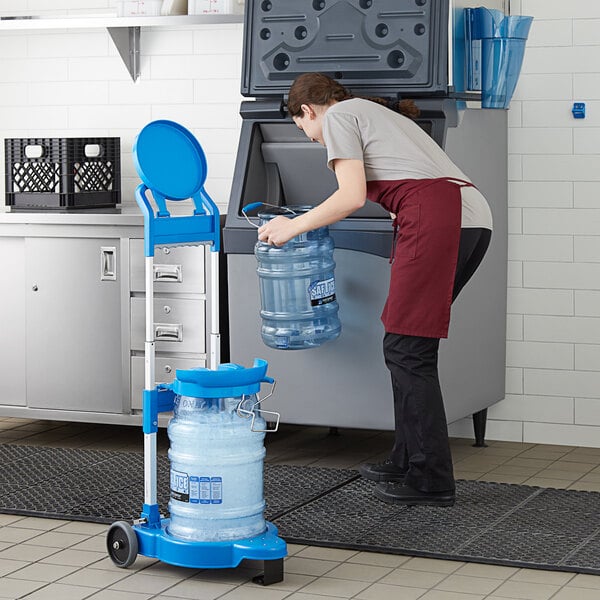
[[578, 110]]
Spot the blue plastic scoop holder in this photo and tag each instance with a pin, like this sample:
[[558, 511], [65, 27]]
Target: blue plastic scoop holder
[[495, 50]]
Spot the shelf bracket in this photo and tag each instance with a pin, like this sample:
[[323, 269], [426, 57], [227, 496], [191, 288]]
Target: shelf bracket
[[127, 42]]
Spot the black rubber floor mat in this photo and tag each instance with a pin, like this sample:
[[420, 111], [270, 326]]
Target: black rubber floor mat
[[103, 486], [494, 523], [491, 523]]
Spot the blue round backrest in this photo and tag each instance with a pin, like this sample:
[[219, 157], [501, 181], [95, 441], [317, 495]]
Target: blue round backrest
[[169, 160]]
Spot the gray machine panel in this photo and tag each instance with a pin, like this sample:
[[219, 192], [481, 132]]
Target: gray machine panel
[[384, 45]]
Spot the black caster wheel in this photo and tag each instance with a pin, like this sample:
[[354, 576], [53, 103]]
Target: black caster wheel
[[122, 544]]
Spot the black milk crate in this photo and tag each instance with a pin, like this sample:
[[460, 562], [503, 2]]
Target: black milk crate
[[63, 173]]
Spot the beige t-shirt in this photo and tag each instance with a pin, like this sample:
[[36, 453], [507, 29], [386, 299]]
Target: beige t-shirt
[[393, 147]]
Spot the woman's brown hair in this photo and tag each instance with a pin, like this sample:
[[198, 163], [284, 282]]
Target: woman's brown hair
[[321, 90]]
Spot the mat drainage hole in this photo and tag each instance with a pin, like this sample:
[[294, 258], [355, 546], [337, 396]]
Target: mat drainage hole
[[419, 29], [318, 4], [265, 34], [267, 6], [366, 3]]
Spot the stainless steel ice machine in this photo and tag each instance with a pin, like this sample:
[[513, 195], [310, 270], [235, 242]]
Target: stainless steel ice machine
[[345, 383]]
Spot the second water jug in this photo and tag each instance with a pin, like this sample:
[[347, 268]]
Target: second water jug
[[297, 288], [216, 452]]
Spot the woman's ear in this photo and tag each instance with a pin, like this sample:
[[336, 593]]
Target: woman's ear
[[307, 111]]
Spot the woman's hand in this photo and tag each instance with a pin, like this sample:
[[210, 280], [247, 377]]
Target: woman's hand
[[277, 231]]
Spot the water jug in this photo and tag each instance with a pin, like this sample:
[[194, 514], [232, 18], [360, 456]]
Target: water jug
[[216, 452], [297, 289]]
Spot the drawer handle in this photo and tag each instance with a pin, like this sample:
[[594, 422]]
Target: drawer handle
[[166, 332], [108, 263], [168, 273]]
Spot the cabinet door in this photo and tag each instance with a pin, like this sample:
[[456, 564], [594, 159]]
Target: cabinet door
[[12, 322], [74, 324]]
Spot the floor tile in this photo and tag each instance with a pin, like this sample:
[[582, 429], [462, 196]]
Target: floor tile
[[27, 552], [328, 586], [334, 554], [308, 566], [305, 596], [526, 591], [58, 591], [359, 572], [43, 572], [433, 565], [40, 524], [488, 571], [18, 588], [468, 585], [146, 584], [376, 559], [575, 594], [197, 590], [582, 580], [59, 540], [10, 566], [75, 558], [549, 577], [409, 578], [94, 578], [116, 595], [16, 535], [381, 591], [442, 595]]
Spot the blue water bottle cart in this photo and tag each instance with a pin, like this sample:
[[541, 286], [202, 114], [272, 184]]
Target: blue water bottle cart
[[172, 166]]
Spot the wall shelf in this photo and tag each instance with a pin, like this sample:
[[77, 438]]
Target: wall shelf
[[124, 31]]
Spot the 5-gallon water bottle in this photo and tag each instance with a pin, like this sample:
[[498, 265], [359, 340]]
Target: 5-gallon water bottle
[[297, 288], [216, 452]]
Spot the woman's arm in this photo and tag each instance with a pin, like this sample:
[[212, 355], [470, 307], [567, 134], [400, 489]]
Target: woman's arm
[[348, 198]]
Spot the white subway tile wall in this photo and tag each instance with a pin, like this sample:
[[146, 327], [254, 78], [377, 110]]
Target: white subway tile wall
[[72, 82], [553, 326]]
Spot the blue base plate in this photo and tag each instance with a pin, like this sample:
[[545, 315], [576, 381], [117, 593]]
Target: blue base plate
[[156, 542]]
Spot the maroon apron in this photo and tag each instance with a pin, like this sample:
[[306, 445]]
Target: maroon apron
[[424, 252]]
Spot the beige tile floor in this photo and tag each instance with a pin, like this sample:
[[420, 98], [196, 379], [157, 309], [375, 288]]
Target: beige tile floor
[[62, 560]]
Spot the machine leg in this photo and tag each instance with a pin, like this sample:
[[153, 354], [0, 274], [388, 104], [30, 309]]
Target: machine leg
[[273, 572], [479, 422]]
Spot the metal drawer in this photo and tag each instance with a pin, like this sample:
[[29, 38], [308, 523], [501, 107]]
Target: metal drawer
[[176, 268], [179, 324], [164, 373]]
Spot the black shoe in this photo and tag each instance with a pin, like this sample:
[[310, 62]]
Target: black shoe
[[384, 471], [394, 493]]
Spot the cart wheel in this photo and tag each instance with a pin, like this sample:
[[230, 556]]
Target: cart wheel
[[122, 544]]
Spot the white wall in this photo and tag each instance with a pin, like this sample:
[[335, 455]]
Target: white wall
[[553, 337], [57, 83]]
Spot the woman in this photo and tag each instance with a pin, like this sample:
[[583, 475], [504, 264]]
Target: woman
[[442, 228]]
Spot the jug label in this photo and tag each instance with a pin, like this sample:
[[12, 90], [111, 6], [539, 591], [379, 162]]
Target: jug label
[[216, 490], [180, 486], [196, 490], [321, 292]]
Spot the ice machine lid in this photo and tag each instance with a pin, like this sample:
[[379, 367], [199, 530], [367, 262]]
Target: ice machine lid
[[387, 47]]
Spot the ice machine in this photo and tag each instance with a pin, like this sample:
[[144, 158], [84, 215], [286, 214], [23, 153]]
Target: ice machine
[[392, 49]]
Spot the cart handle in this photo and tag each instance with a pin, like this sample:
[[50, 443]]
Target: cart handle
[[161, 228]]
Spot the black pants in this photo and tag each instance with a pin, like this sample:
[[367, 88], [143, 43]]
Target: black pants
[[421, 445]]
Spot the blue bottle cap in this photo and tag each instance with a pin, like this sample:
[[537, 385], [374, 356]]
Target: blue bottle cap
[[229, 380]]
